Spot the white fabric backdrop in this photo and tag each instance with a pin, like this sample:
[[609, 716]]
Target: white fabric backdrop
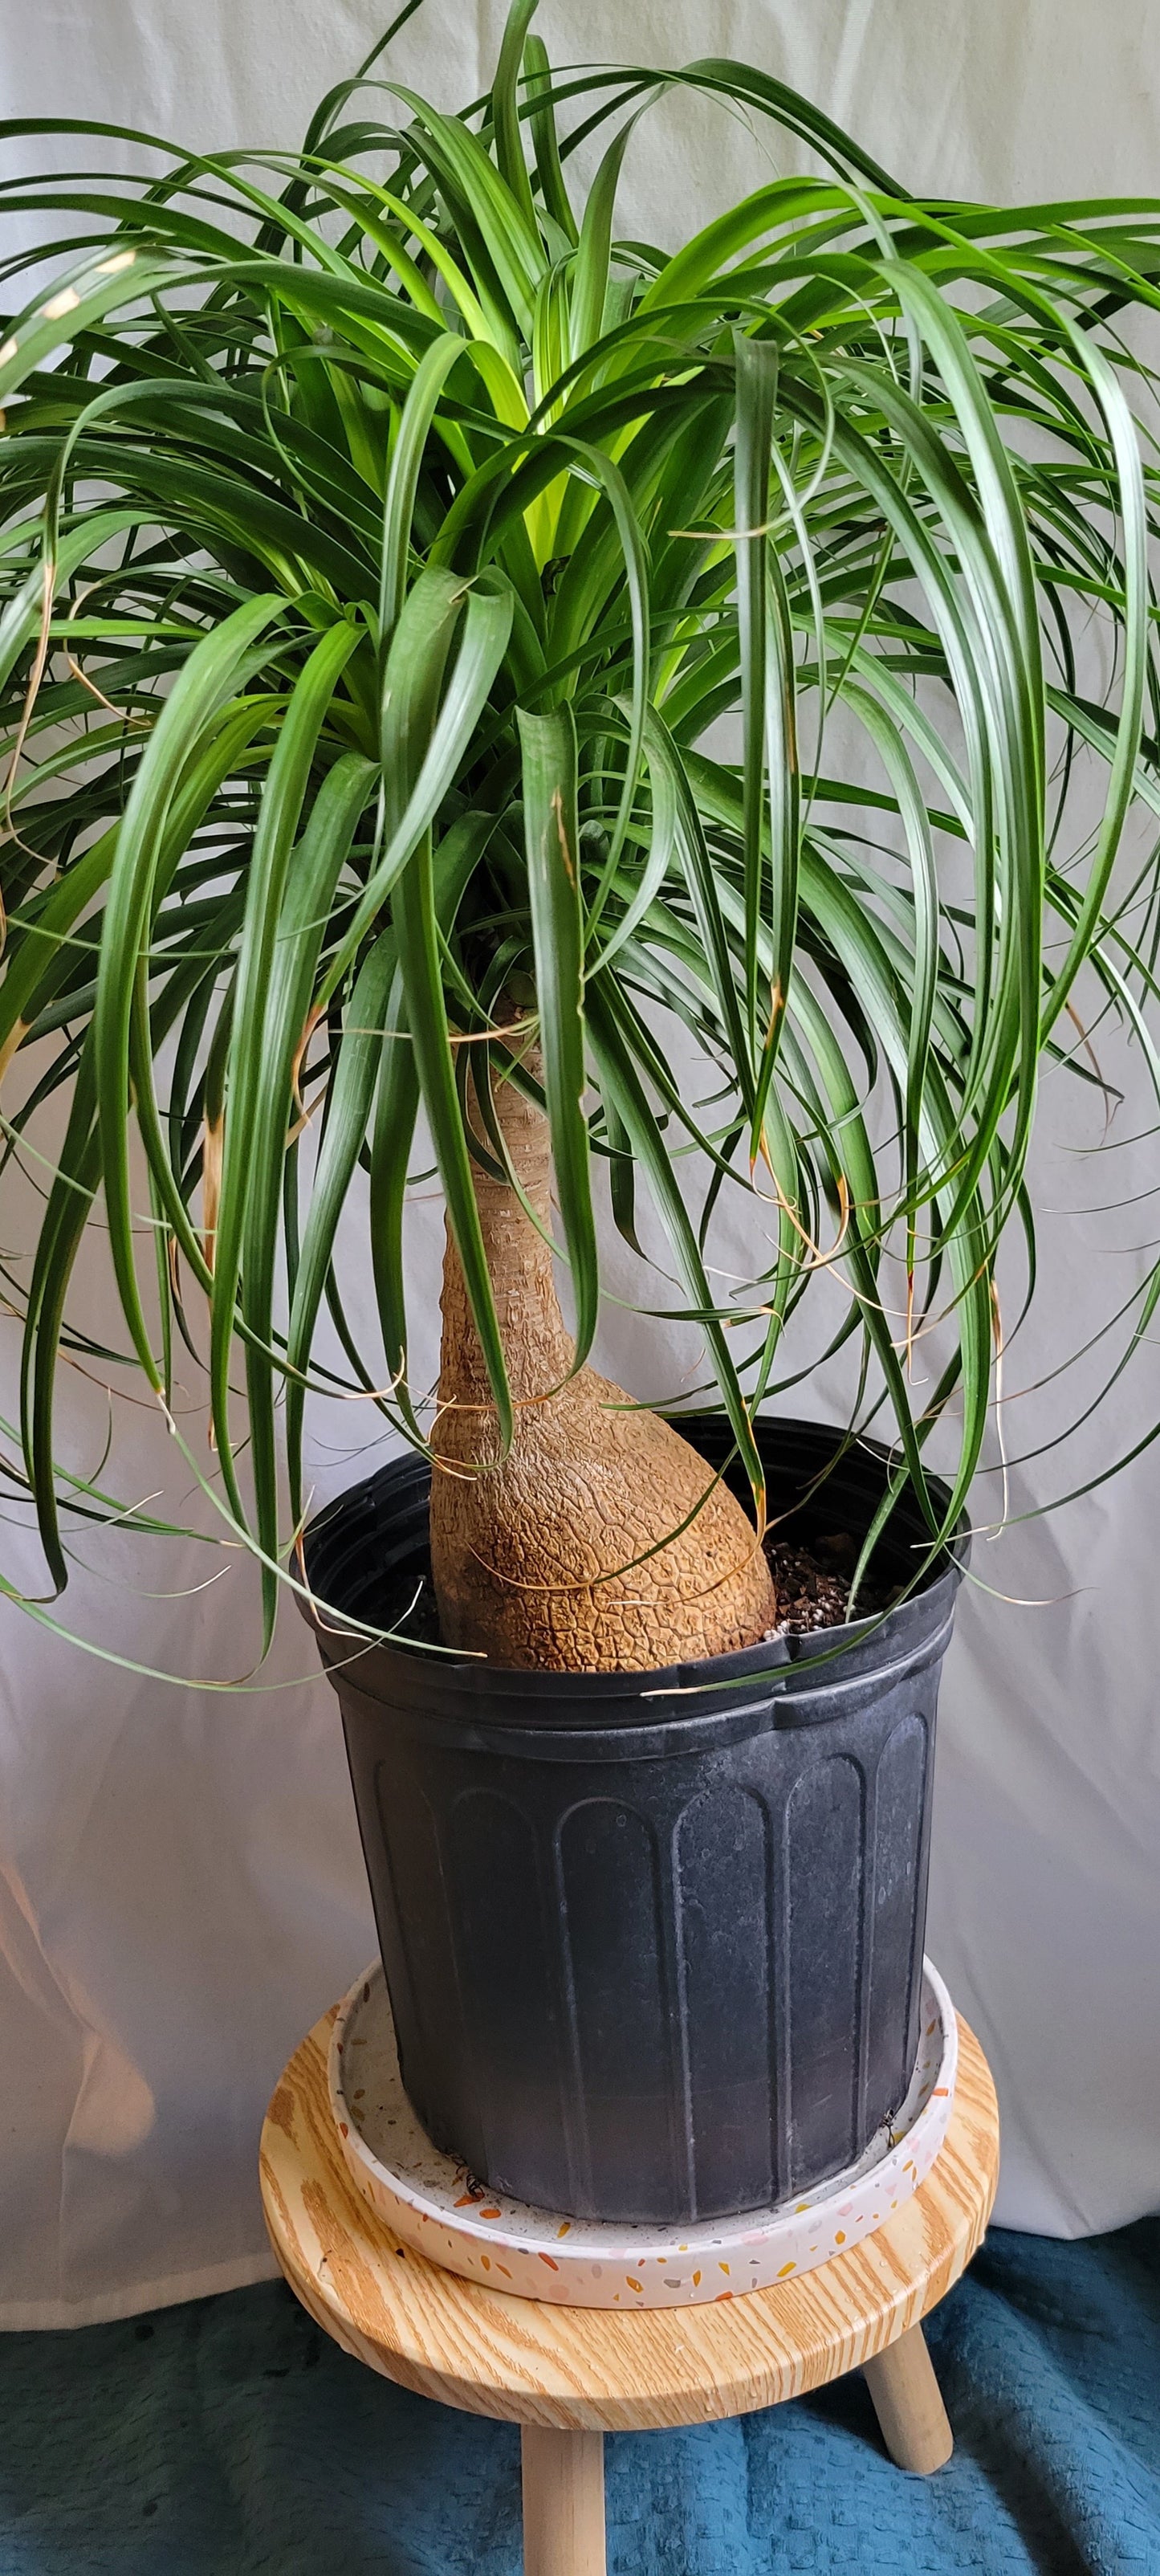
[[181, 1889]]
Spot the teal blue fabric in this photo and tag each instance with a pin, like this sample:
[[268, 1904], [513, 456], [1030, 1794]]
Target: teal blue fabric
[[229, 2438]]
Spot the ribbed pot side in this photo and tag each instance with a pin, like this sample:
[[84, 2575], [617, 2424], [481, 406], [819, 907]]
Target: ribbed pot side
[[652, 1940]]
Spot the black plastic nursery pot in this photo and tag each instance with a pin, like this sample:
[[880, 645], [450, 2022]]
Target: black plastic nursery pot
[[653, 1940]]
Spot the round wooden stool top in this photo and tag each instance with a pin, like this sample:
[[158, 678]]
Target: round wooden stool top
[[588, 2369]]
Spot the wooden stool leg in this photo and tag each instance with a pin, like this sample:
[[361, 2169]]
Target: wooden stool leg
[[563, 2503], [907, 2403]]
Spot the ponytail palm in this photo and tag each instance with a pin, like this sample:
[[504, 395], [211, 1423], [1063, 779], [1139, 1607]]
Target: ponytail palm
[[382, 539]]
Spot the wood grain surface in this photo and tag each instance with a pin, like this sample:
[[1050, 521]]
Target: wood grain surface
[[563, 2495], [587, 2369], [908, 2403]]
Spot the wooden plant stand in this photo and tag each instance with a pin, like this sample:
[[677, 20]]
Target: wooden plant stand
[[567, 2376]]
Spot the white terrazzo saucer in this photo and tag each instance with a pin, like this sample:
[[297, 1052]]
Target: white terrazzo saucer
[[434, 2204]]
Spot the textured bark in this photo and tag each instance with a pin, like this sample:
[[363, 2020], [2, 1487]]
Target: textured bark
[[536, 1557]]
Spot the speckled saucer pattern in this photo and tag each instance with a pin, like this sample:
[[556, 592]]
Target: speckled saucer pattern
[[437, 2206]]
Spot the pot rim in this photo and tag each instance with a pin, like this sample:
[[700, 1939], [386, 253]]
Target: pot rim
[[798, 1663]]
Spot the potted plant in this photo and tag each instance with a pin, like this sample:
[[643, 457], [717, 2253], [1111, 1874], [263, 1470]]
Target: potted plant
[[384, 538]]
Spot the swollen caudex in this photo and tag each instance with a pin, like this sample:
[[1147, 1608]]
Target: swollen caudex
[[601, 1541]]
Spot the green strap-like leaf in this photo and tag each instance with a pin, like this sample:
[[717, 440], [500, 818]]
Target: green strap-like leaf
[[620, 1082], [267, 1101], [509, 149], [552, 840], [396, 1109], [418, 938], [424, 739], [399, 508], [594, 250], [538, 73], [348, 1110], [281, 807], [203, 686], [756, 363]]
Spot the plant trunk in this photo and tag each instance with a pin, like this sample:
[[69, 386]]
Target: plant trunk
[[600, 1543]]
